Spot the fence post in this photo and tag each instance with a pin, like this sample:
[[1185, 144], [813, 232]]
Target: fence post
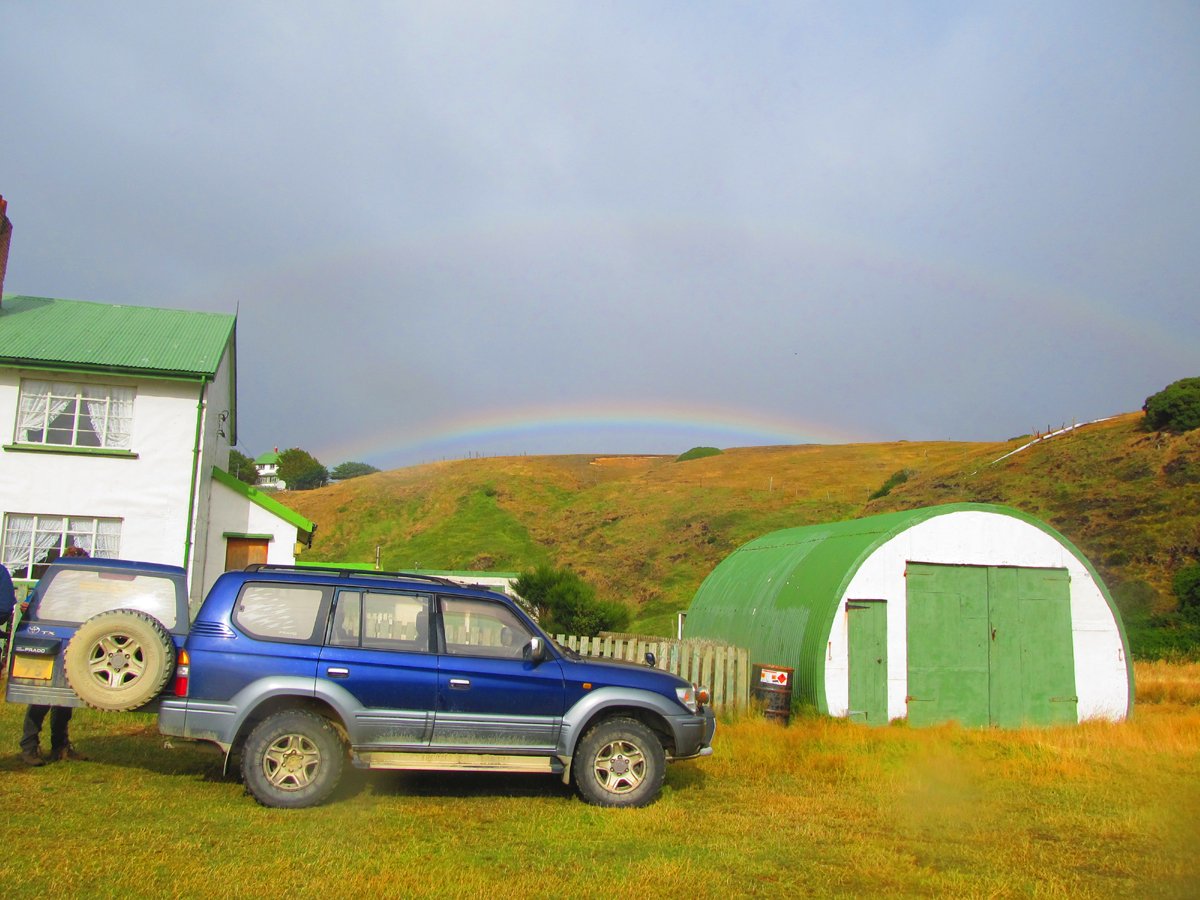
[[744, 676], [717, 685], [730, 672]]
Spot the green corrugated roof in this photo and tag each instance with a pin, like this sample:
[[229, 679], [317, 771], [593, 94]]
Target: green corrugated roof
[[267, 502], [76, 334], [270, 458], [778, 595]]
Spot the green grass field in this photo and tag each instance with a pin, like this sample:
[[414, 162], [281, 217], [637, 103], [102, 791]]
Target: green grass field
[[821, 807]]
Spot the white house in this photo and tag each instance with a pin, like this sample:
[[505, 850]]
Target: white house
[[267, 467], [117, 423]]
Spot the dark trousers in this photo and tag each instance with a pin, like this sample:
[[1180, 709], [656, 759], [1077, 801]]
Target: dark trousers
[[60, 716]]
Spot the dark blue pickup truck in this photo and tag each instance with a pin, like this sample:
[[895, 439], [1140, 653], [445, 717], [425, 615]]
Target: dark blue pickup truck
[[298, 669]]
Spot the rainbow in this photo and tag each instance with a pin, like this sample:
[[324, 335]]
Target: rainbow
[[586, 427], [663, 425]]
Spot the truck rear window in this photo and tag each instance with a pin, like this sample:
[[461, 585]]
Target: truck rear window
[[75, 595]]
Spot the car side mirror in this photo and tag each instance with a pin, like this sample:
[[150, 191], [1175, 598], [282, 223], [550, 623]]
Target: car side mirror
[[535, 650]]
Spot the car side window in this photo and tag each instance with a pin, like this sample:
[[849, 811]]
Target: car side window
[[281, 612], [482, 628], [347, 620], [379, 620]]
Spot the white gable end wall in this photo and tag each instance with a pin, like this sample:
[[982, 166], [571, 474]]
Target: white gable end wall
[[981, 539], [216, 430], [232, 513]]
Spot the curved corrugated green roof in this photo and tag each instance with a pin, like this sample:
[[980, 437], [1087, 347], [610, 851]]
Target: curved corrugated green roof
[[76, 334], [778, 595]]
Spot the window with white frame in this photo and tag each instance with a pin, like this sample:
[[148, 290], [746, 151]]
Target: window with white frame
[[61, 414], [32, 542]]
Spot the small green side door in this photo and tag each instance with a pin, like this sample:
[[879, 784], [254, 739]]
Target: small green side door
[[867, 635], [990, 646]]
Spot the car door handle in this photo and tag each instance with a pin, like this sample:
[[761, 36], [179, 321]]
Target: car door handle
[[460, 684], [337, 672]]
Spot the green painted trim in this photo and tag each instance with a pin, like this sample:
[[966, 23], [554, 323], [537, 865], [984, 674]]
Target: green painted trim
[[232, 351], [468, 573], [12, 362], [191, 513], [349, 567], [75, 451], [247, 537], [450, 573], [270, 504]]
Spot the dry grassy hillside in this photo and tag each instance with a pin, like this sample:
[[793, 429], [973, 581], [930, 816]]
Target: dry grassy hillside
[[646, 530], [1130, 500]]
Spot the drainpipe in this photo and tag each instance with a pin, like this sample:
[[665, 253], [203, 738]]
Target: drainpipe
[[187, 537]]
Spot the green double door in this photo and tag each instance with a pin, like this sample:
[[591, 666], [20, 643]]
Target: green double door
[[990, 646]]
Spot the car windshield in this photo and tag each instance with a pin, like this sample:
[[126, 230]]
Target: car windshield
[[75, 595]]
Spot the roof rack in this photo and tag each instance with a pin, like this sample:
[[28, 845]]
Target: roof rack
[[349, 573]]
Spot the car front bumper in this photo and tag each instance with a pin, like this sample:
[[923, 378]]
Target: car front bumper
[[694, 734]]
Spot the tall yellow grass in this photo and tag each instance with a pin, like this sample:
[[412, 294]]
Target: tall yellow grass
[[1165, 682]]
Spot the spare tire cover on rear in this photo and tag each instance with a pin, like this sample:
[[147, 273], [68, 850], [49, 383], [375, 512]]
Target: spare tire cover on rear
[[119, 660]]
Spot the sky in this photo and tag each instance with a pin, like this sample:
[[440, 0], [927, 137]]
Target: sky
[[454, 229]]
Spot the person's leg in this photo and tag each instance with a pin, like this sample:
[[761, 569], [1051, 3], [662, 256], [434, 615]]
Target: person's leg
[[34, 717], [60, 739]]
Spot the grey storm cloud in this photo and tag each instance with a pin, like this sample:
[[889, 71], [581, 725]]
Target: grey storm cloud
[[900, 220]]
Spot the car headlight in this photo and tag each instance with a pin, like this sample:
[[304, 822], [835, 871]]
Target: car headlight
[[687, 696]]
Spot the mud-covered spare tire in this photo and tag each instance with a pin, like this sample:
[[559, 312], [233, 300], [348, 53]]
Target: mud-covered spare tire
[[119, 660]]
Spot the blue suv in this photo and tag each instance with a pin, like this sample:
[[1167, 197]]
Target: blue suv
[[295, 669], [99, 632]]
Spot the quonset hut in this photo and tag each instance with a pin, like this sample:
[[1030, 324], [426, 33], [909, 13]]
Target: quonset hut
[[965, 612]]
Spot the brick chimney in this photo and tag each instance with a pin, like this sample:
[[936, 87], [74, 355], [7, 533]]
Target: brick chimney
[[5, 237]]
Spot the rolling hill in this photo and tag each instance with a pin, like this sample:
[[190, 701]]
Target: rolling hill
[[647, 530]]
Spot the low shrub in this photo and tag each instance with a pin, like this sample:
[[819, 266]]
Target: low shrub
[[566, 604], [698, 453], [1187, 588], [896, 479], [1175, 408]]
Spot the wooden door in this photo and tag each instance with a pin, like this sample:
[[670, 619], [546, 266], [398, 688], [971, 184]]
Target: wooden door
[[244, 551]]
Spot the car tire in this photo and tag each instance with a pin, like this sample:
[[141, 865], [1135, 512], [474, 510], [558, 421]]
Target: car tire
[[119, 660], [293, 759], [619, 762]]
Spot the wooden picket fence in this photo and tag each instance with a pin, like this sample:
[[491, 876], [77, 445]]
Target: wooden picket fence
[[723, 669]]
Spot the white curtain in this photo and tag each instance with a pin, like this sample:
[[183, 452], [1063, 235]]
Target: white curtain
[[109, 410], [120, 418], [48, 536], [108, 538], [18, 537], [37, 410], [29, 540]]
